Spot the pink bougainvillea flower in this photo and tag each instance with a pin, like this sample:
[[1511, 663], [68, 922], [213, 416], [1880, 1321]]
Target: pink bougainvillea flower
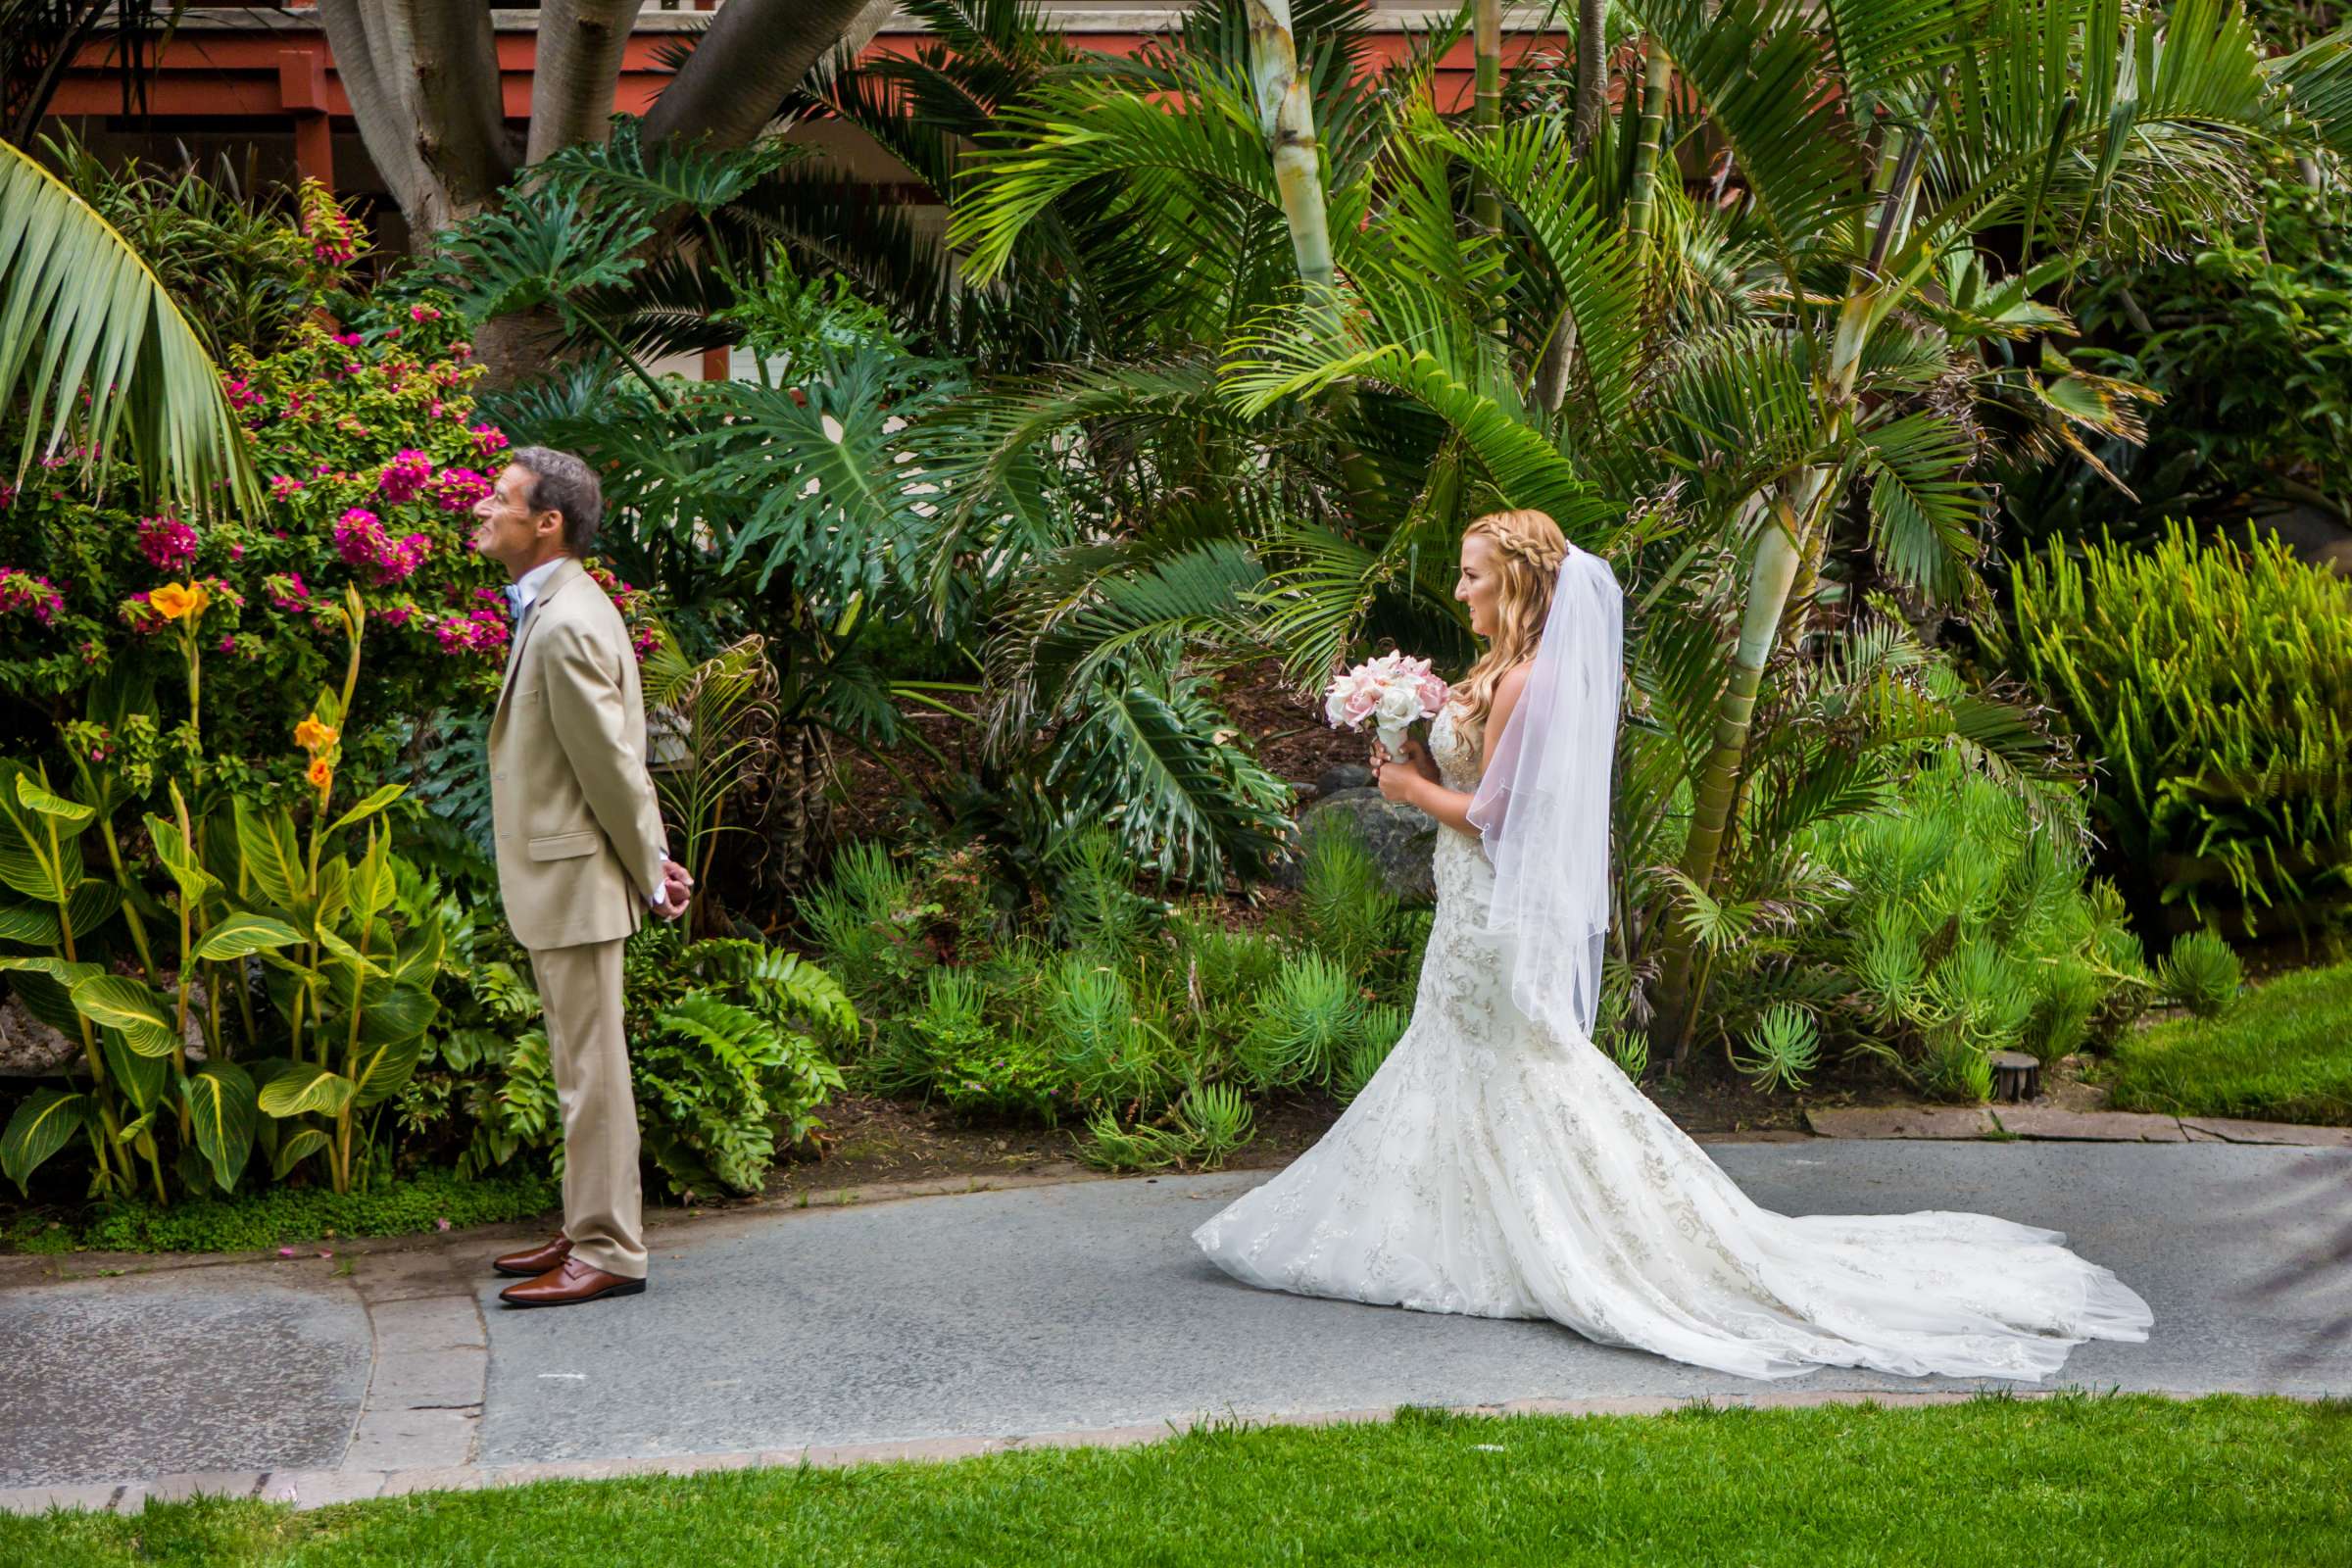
[[21, 590], [284, 486], [458, 489], [404, 475], [168, 542], [487, 438]]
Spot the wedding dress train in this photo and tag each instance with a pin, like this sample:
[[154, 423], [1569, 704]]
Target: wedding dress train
[[1496, 1169]]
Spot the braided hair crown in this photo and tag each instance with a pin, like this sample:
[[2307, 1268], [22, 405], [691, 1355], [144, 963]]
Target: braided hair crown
[[1534, 547]]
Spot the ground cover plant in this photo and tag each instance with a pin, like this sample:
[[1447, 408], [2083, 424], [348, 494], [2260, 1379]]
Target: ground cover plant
[[2071, 1478], [2279, 1054], [308, 1218], [1145, 1024]]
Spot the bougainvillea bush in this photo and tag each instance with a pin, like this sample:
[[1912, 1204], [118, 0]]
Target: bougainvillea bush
[[366, 438], [211, 978]]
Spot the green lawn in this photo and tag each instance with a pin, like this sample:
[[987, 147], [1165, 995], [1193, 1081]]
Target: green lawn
[[2125, 1480], [2282, 1054]]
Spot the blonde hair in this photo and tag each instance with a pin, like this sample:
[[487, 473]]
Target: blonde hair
[[1530, 547]]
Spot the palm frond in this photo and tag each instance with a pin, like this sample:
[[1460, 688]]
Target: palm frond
[[109, 353]]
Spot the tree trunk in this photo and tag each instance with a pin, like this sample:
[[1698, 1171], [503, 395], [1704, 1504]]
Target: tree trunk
[[737, 77], [580, 44], [1592, 72], [1550, 386], [1776, 554], [1658, 81], [422, 78], [1792, 544], [1486, 104], [1287, 115]]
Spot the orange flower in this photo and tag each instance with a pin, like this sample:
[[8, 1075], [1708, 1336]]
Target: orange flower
[[322, 774], [313, 736], [179, 601]]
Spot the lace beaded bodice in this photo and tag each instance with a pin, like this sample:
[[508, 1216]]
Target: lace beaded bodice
[[1493, 1168]]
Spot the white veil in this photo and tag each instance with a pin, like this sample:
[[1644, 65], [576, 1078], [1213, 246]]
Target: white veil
[[1543, 806]]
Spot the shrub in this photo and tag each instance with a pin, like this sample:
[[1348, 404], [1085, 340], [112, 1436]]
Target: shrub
[[2248, 338], [1377, 1033], [730, 1054], [1201, 1131], [2201, 973], [1305, 1023], [2213, 681], [1965, 926], [1348, 911]]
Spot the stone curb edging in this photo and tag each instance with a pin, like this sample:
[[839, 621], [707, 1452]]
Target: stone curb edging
[[2048, 1123], [317, 1489]]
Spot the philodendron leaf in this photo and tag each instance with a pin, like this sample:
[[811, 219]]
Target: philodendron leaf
[[70, 816], [295, 1150], [367, 807], [242, 935], [180, 859], [119, 1001], [29, 924], [44, 1124], [224, 1108], [271, 853], [305, 1087]]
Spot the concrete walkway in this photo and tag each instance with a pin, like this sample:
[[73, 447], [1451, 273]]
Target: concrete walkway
[[1065, 1312]]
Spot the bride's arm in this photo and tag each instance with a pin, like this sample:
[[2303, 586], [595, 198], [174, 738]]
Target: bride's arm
[[1399, 782]]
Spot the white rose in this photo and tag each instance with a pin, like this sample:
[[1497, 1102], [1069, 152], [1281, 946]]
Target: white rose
[[1399, 705]]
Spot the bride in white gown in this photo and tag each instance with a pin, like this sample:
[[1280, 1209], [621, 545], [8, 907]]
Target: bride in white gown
[[1501, 1165]]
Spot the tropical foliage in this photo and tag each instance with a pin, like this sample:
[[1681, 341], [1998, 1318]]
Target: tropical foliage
[[2216, 679], [1148, 1026]]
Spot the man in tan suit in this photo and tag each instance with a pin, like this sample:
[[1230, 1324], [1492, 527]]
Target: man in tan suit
[[580, 855]]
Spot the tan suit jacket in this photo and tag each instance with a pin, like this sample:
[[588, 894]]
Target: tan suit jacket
[[578, 828]]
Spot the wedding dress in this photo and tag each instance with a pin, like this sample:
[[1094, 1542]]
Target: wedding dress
[[1501, 1168]]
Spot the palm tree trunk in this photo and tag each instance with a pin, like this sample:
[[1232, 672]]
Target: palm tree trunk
[[1486, 103], [1657, 81], [1776, 554], [1792, 544], [1550, 386], [1591, 73], [1287, 115]]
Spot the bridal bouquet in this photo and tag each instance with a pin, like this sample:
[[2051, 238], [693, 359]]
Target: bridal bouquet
[[1391, 691]]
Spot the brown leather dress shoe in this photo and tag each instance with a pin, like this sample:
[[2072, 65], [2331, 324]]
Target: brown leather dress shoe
[[568, 1284], [535, 1263]]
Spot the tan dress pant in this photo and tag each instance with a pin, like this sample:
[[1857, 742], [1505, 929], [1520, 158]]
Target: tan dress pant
[[603, 1206]]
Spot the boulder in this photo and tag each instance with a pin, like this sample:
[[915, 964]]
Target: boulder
[[31, 1048], [1401, 839], [1341, 778]]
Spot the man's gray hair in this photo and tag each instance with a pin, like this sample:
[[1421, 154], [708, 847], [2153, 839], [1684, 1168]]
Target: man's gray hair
[[561, 482]]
